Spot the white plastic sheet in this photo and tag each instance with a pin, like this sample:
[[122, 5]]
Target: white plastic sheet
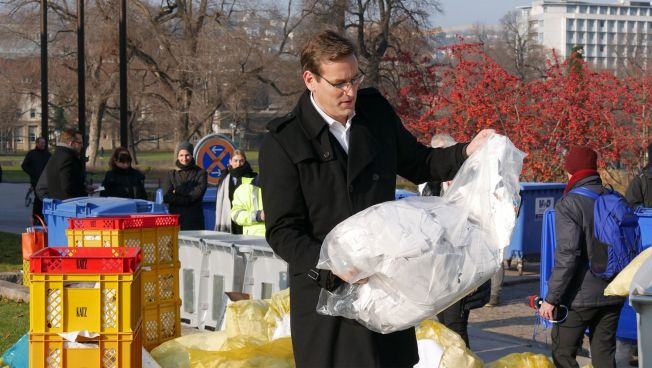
[[421, 254]]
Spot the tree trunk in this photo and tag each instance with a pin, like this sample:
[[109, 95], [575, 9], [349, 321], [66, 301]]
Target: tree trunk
[[95, 129]]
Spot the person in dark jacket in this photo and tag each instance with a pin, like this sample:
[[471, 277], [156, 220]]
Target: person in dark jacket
[[237, 169], [184, 188], [337, 153], [34, 164], [575, 295], [639, 192], [63, 176], [123, 180]]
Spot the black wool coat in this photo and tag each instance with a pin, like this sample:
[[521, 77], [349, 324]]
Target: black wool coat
[[310, 185], [184, 191], [63, 176], [124, 183], [34, 164]]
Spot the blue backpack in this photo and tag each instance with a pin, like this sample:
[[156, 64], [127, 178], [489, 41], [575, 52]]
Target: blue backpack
[[617, 231]]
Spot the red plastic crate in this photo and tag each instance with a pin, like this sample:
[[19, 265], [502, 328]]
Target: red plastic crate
[[123, 222], [85, 260]]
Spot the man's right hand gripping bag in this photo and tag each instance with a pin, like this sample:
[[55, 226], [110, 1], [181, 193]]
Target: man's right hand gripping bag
[[422, 254]]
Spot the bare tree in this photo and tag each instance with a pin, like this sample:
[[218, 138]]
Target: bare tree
[[526, 58]]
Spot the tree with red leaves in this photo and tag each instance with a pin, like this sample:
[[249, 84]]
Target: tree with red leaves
[[572, 105]]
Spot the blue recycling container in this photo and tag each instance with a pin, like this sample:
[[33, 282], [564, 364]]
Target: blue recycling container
[[627, 322], [58, 212], [402, 193], [208, 206], [535, 199]]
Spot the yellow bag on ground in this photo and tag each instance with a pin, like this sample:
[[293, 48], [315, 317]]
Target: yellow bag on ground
[[278, 315], [247, 318], [272, 354], [456, 354], [523, 360], [174, 353], [620, 285]]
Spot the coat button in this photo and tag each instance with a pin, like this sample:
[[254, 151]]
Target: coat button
[[375, 177], [326, 155]]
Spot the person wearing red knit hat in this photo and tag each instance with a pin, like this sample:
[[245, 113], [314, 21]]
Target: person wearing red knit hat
[[575, 299]]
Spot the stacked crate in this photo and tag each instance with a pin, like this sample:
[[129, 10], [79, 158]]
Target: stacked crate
[[157, 236], [85, 289]]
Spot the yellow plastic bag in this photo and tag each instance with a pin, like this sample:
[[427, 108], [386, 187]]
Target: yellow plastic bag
[[174, 353], [278, 313], [247, 318], [456, 354], [272, 354], [523, 360], [620, 285]]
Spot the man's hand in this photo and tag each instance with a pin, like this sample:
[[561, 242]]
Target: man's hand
[[546, 311], [351, 275], [479, 140]]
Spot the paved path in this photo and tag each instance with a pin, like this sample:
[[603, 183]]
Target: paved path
[[14, 216]]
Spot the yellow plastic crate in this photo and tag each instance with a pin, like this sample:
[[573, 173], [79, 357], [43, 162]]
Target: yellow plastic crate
[[160, 284], [161, 322], [158, 245], [25, 272], [101, 303], [120, 350]]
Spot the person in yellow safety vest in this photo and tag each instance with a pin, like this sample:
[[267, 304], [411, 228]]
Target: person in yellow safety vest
[[247, 207]]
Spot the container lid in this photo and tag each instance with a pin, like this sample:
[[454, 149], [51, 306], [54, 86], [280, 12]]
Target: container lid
[[542, 186], [103, 206], [644, 212]]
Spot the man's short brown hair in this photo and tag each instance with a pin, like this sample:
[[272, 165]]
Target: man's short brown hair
[[325, 46], [68, 135]]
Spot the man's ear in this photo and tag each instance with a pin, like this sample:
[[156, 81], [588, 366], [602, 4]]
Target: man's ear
[[309, 80]]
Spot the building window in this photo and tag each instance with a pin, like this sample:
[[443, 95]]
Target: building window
[[32, 113], [582, 9], [18, 134], [601, 49], [603, 10], [601, 24], [593, 9], [32, 133]]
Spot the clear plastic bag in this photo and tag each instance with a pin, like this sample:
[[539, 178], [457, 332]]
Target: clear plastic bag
[[421, 254]]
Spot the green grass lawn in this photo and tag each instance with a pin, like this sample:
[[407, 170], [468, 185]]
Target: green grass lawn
[[14, 322], [11, 253]]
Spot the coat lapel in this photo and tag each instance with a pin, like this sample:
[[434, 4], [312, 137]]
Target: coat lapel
[[363, 147]]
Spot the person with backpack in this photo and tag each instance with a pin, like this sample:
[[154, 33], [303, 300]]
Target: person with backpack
[[639, 192], [587, 257]]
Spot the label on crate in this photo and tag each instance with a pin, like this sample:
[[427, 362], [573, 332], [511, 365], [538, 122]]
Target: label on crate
[[212, 154], [541, 204], [93, 237]]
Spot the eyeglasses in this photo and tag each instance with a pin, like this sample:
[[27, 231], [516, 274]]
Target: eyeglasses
[[353, 82]]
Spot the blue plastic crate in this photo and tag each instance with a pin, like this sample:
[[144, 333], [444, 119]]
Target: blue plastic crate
[[58, 212], [627, 322], [535, 199]]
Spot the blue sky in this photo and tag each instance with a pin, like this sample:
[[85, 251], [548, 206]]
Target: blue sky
[[489, 12]]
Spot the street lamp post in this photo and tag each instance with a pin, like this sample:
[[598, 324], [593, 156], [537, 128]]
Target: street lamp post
[[44, 70]]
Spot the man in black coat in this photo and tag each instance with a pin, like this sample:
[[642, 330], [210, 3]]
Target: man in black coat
[[34, 164], [572, 284], [63, 176], [337, 153]]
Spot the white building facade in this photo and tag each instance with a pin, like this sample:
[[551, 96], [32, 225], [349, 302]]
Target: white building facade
[[611, 35]]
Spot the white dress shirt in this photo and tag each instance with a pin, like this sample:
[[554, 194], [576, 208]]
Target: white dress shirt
[[341, 132]]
